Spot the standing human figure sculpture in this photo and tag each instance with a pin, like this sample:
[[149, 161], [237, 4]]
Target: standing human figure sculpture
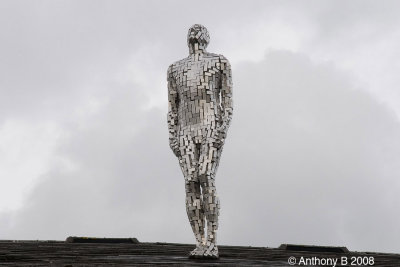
[[199, 115]]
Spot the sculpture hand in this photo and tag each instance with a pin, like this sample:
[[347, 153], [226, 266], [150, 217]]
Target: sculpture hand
[[174, 145], [220, 137]]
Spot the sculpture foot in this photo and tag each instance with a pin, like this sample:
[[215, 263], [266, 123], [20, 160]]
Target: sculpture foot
[[197, 252], [204, 252], [211, 252]]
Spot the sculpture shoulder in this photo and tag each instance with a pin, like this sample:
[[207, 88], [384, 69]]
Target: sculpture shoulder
[[215, 56], [219, 58], [174, 66], [223, 60]]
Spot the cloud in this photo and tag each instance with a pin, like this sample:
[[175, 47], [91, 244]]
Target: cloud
[[311, 157], [309, 160], [113, 175], [26, 151]]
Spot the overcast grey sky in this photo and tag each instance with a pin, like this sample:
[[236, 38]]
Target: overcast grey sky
[[312, 156]]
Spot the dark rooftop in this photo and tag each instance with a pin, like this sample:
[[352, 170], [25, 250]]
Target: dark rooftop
[[130, 252]]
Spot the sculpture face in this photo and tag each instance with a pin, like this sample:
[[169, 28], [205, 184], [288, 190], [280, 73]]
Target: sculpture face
[[198, 34]]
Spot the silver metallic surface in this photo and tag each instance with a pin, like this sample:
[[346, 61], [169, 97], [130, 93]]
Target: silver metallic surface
[[199, 115]]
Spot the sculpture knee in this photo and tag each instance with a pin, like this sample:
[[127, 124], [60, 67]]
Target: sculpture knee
[[211, 204], [194, 206]]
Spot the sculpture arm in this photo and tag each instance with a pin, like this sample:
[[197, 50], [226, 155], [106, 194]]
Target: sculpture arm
[[173, 101], [226, 94]]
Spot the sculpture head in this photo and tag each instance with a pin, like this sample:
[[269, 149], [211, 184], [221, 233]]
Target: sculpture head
[[198, 34]]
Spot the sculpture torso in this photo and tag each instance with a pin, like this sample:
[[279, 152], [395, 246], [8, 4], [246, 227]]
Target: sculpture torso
[[198, 84]]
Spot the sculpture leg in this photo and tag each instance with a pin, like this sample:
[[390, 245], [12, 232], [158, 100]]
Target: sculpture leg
[[208, 164], [194, 207], [194, 210]]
